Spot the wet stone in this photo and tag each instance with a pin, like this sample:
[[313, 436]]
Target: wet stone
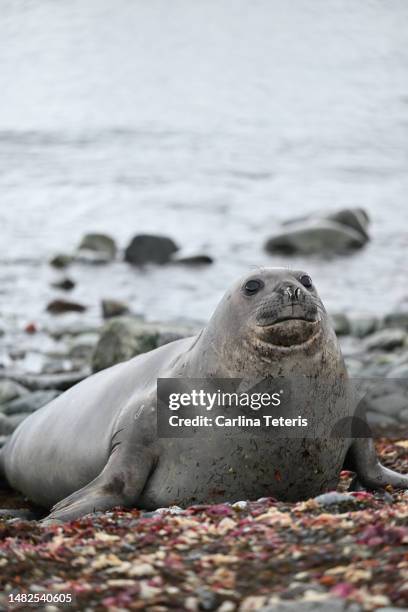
[[114, 308], [10, 390], [9, 423], [66, 284], [396, 319], [386, 340], [333, 498], [29, 403], [340, 323], [390, 405], [57, 307], [146, 248], [315, 605], [99, 243], [362, 326], [380, 420]]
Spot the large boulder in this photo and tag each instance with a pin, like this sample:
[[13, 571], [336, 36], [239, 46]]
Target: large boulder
[[338, 232], [125, 337], [146, 248]]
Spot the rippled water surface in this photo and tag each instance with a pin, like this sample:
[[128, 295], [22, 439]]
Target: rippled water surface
[[209, 121]]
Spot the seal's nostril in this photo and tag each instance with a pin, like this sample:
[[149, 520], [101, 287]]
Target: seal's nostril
[[297, 293], [288, 291]]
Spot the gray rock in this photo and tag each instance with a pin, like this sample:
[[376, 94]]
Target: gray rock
[[145, 248], [341, 323], [333, 498], [9, 423], [43, 382], [400, 369], [57, 307], [316, 237], [376, 419], [403, 416], [386, 340], [114, 308], [194, 260], [388, 405], [87, 256], [354, 366], [62, 260], [392, 609], [125, 337], [315, 605], [362, 326], [29, 403], [207, 599], [121, 339], [10, 390], [66, 284], [356, 218], [99, 243], [396, 319], [82, 347], [22, 514], [72, 329]]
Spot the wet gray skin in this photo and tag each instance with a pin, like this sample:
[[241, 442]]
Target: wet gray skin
[[96, 446]]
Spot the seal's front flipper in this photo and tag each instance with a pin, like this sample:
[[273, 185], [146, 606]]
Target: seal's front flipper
[[119, 484], [362, 459], [89, 499]]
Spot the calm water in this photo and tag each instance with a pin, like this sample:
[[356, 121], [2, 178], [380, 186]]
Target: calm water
[[209, 121]]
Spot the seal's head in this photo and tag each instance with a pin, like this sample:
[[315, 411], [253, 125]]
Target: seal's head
[[284, 309], [273, 312]]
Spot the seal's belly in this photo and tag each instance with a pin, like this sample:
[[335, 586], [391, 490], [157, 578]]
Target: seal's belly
[[246, 468]]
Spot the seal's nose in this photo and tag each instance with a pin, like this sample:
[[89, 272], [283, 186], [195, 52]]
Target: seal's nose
[[292, 293]]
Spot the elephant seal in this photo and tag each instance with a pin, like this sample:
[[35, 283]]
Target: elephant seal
[[96, 446]]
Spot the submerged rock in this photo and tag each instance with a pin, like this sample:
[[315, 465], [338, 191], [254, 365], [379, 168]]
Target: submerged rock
[[146, 248]]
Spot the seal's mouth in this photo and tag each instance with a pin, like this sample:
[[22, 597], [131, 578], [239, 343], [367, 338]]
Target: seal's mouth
[[290, 331]]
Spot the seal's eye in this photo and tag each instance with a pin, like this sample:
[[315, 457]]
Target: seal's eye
[[306, 281], [253, 286]]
